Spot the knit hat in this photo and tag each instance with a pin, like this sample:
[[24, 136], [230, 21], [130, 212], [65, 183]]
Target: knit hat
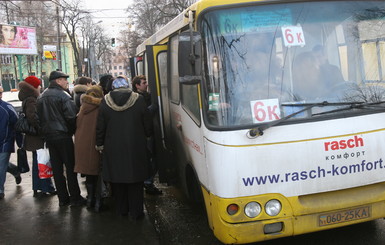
[[34, 81], [120, 82], [95, 91]]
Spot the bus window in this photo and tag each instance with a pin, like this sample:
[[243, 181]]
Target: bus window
[[190, 101], [174, 70], [262, 61], [139, 67]]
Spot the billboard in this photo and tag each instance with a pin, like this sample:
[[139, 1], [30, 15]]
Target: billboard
[[17, 39], [49, 52]]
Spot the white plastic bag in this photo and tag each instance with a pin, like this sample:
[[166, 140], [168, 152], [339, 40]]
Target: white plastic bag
[[44, 163]]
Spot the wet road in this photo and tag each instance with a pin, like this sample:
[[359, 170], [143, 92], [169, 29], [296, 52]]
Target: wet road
[[180, 223], [25, 219], [169, 220]]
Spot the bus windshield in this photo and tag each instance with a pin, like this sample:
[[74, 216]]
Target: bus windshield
[[266, 62]]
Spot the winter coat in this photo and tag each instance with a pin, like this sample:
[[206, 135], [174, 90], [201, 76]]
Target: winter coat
[[87, 158], [56, 112], [28, 95], [78, 91], [8, 118], [123, 124]]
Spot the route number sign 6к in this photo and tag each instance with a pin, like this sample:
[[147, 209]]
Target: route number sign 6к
[[293, 36]]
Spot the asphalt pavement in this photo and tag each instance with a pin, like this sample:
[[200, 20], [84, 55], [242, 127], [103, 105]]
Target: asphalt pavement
[[25, 219]]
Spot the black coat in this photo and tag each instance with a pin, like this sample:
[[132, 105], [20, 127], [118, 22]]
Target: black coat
[[57, 113], [122, 127]]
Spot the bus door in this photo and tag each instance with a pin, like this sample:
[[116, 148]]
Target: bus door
[[158, 85], [132, 67], [136, 66]]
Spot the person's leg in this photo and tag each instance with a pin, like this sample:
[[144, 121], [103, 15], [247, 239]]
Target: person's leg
[[4, 160], [55, 149], [121, 198], [68, 155], [91, 181], [135, 201], [36, 185], [14, 170]]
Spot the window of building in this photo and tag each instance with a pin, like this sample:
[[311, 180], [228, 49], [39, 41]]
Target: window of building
[[6, 59]]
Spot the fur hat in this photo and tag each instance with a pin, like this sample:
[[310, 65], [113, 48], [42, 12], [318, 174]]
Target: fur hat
[[34, 81], [95, 91]]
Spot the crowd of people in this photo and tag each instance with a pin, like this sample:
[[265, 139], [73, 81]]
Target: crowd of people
[[103, 132]]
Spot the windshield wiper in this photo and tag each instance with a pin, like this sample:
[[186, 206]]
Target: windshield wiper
[[352, 105], [258, 131]]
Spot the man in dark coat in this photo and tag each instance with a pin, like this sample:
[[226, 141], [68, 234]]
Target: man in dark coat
[[57, 115], [139, 85], [121, 132]]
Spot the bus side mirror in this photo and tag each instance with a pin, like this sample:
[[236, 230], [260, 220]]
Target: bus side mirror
[[190, 58]]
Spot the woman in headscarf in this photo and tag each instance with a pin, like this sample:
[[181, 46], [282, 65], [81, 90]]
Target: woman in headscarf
[[123, 125]]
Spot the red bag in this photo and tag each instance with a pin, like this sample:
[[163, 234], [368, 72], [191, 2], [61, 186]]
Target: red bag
[[44, 163]]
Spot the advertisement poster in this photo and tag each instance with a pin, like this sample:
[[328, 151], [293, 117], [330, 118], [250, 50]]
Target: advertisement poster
[[49, 52], [17, 39]]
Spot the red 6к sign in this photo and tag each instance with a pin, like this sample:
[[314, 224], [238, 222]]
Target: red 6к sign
[[293, 36], [265, 110]]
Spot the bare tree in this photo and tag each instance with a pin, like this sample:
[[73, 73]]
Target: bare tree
[[149, 15], [130, 39], [71, 21]]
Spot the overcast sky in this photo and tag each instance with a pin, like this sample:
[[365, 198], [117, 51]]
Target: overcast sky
[[109, 12]]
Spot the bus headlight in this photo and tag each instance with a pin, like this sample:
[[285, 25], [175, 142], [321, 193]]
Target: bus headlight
[[273, 207], [253, 209]]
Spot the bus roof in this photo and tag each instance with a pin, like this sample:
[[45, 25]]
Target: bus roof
[[182, 20]]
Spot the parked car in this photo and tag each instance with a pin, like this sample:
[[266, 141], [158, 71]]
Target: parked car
[[12, 97]]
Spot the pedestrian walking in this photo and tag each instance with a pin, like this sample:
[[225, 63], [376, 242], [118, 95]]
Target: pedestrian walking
[[29, 91], [57, 114], [87, 158], [122, 127], [8, 118]]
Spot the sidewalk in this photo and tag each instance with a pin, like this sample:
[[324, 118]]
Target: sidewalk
[[25, 219]]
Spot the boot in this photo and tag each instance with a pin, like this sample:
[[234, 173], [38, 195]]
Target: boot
[[90, 195]]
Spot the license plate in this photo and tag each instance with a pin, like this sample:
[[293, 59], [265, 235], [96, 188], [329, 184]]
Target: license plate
[[344, 216]]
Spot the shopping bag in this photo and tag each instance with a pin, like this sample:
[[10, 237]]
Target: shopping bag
[[44, 163], [22, 161]]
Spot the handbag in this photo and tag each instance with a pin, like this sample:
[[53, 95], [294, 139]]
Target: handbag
[[22, 161], [23, 126], [44, 163]]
